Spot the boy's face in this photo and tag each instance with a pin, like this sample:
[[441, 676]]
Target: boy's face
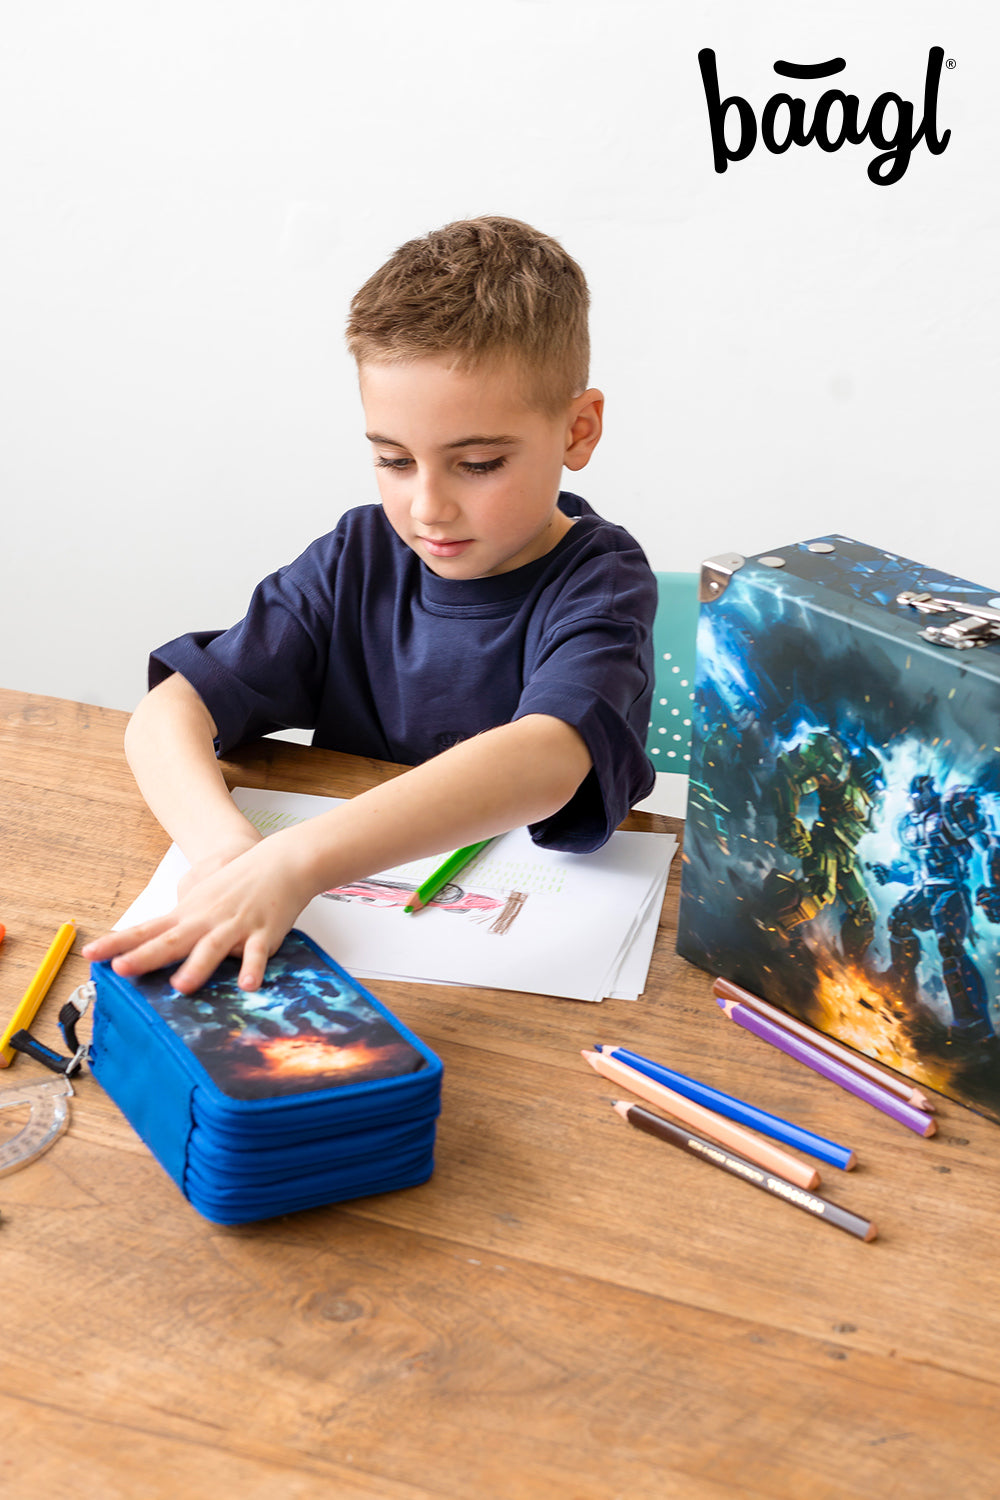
[[469, 474]]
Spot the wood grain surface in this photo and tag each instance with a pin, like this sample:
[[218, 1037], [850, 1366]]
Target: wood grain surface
[[567, 1310]]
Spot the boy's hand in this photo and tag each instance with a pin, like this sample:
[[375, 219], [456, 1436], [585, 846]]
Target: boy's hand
[[217, 861], [245, 908]]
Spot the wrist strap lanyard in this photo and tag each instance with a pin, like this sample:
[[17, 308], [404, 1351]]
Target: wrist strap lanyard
[[69, 1018]]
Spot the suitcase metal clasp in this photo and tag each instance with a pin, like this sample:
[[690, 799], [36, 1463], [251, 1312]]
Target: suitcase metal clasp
[[977, 626]]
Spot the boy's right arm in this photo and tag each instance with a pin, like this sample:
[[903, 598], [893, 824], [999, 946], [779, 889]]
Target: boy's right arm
[[169, 744], [515, 774]]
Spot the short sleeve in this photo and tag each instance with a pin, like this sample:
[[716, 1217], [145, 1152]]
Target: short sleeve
[[265, 673], [594, 670]]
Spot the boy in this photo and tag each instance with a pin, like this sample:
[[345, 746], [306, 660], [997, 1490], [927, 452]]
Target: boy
[[478, 626]]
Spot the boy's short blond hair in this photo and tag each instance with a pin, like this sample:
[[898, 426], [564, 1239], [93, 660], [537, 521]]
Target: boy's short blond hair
[[488, 290]]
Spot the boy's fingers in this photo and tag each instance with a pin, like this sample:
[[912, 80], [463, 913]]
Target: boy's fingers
[[202, 960], [154, 955], [255, 955], [110, 944], [174, 942], [196, 942]]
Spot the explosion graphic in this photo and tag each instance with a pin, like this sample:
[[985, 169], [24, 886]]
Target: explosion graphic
[[313, 1056], [847, 1005]]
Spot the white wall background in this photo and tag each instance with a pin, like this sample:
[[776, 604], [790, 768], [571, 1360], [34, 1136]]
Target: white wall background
[[191, 192]]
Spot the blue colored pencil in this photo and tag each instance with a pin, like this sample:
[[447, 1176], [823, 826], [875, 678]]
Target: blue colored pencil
[[737, 1109]]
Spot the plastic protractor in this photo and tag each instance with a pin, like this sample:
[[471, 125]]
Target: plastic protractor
[[48, 1105]]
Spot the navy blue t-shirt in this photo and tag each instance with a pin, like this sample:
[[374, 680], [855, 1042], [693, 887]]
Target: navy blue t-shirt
[[359, 641]]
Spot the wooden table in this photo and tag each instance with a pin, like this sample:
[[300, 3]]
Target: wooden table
[[567, 1310]]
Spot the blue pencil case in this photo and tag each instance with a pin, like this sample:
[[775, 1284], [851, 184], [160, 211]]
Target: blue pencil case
[[304, 1092]]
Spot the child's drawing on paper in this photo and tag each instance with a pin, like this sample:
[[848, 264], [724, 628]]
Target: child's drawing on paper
[[494, 910]]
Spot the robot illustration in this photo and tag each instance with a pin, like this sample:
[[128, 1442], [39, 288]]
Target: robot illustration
[[207, 1022], [847, 781], [941, 832]]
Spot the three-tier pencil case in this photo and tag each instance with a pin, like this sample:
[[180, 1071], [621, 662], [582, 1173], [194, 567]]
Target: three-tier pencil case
[[305, 1092]]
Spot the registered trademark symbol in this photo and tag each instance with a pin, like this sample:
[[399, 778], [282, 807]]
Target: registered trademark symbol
[[951, 63]]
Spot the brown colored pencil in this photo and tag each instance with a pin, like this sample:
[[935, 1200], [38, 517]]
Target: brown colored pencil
[[726, 990], [738, 1166], [772, 1158]]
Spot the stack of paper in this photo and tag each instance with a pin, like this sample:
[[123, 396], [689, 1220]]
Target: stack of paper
[[519, 917]]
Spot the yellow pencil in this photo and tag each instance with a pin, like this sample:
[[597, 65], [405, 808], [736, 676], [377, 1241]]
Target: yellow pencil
[[37, 990]]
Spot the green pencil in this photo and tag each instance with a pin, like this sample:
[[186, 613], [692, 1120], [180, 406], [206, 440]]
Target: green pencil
[[455, 862]]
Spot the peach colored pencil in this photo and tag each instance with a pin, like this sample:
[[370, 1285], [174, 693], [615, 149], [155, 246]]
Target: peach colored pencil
[[726, 990], [744, 1141]]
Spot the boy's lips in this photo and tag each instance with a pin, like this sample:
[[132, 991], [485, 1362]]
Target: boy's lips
[[444, 548]]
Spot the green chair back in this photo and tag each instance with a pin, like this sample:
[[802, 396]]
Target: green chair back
[[674, 631]]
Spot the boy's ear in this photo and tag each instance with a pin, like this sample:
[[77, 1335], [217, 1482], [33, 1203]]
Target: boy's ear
[[586, 420]]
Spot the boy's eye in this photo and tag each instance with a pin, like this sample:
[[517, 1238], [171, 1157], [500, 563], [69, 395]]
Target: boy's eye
[[468, 466], [487, 466]]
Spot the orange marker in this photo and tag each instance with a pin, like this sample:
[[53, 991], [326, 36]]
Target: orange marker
[[734, 1136]]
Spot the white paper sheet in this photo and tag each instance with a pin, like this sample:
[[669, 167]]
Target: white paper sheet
[[522, 918]]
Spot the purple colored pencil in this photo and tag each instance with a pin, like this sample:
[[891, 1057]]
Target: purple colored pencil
[[821, 1062], [905, 1090]]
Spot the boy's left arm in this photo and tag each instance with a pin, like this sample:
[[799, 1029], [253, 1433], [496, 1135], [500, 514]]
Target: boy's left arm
[[516, 774]]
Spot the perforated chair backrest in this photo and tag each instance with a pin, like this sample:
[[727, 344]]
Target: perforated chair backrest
[[674, 631]]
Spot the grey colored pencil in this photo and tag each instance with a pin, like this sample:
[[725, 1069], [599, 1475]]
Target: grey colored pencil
[[738, 1166]]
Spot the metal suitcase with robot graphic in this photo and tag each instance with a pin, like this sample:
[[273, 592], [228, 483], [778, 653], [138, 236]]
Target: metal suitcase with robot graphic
[[842, 845]]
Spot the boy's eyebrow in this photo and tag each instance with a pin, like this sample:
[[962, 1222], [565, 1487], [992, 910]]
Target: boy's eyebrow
[[476, 441]]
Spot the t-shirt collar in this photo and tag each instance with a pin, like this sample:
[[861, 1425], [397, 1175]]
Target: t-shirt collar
[[499, 586]]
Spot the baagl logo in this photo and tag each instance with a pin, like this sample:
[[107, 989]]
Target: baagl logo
[[836, 118]]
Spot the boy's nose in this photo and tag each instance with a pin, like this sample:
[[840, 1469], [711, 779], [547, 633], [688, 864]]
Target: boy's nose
[[431, 504]]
